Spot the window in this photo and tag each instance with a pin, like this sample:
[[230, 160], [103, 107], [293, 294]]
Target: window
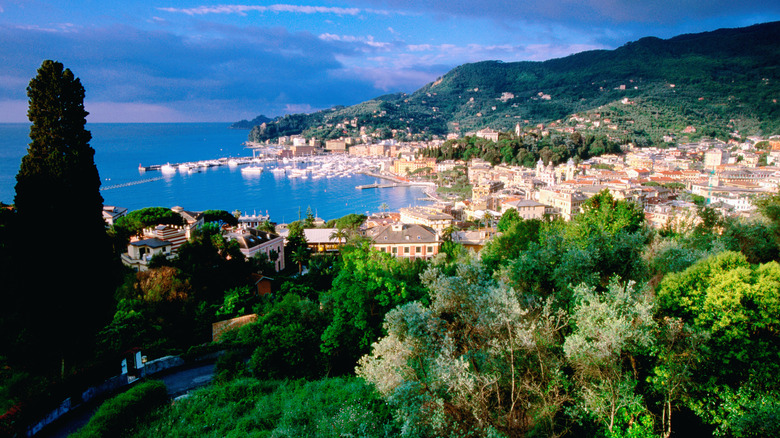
[[395, 250], [418, 249], [430, 250], [406, 250]]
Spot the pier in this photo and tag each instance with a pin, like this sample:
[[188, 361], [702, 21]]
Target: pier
[[380, 186], [131, 183]]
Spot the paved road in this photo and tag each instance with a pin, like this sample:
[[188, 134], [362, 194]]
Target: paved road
[[178, 381]]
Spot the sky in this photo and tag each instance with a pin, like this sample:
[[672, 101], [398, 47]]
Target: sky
[[211, 61]]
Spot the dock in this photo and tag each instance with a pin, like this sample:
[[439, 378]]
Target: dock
[[380, 186]]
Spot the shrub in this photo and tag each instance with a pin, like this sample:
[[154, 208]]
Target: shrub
[[123, 411]]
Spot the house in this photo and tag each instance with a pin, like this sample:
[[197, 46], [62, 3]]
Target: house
[[263, 284], [174, 234], [192, 220], [321, 240], [488, 134], [253, 242], [473, 239], [112, 213], [429, 217], [336, 146], [638, 172], [410, 241], [566, 202], [140, 252], [408, 167], [527, 208]]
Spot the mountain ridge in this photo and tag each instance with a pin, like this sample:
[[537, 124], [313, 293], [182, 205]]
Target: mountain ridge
[[718, 81]]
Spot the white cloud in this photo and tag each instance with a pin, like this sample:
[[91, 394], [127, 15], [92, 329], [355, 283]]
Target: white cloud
[[367, 40], [13, 111], [296, 108], [244, 9]]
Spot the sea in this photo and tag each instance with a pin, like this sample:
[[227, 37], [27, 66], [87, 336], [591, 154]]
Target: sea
[[121, 147]]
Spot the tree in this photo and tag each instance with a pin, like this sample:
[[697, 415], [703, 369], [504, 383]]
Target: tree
[[340, 235], [369, 283], [221, 217], [134, 222], [608, 328], [474, 362], [736, 305], [286, 340], [510, 217], [299, 256], [58, 187]]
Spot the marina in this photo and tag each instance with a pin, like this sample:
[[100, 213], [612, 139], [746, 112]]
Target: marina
[[308, 167], [204, 173]]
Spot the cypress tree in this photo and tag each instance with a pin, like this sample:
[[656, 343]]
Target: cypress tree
[[65, 270]]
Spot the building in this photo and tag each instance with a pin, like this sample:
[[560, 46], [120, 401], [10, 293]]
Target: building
[[488, 134], [429, 217], [111, 214], [410, 241], [407, 167], [338, 146], [527, 208], [473, 239], [192, 220], [174, 234], [565, 202], [714, 158], [303, 150], [482, 191], [322, 240], [254, 242], [140, 252]]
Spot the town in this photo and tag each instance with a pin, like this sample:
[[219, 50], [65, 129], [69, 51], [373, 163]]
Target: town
[[667, 182]]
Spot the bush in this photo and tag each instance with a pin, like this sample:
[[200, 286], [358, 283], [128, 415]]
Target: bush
[[247, 407], [123, 411]]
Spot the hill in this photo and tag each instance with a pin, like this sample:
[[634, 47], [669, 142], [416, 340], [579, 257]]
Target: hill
[[711, 83], [248, 124]]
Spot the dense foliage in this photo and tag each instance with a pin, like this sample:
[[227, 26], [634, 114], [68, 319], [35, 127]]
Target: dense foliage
[[333, 407], [122, 412]]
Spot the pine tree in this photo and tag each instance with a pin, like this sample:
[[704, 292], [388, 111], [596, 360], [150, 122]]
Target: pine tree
[[65, 265]]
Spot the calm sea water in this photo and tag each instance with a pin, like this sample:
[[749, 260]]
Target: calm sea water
[[120, 148]]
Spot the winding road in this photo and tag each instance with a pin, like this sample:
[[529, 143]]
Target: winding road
[[179, 381]]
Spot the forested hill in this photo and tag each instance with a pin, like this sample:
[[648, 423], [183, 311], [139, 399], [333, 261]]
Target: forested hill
[[718, 82]]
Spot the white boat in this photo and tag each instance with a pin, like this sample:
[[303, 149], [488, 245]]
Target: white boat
[[167, 168], [252, 169], [184, 167]]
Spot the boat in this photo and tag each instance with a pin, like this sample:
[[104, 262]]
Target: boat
[[252, 169], [167, 168]]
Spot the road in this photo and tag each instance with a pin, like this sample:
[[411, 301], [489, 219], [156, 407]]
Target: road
[[178, 381]]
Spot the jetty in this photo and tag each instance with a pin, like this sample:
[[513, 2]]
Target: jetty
[[380, 186], [131, 183]]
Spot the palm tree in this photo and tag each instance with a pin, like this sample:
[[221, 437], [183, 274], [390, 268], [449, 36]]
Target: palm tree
[[446, 234], [383, 208], [300, 256], [340, 234]]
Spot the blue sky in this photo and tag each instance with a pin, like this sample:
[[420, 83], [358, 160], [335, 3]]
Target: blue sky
[[188, 61]]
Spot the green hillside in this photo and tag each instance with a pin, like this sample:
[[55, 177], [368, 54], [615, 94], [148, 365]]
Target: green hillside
[[717, 82]]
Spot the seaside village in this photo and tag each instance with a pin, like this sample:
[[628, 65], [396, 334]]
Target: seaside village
[[725, 176]]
